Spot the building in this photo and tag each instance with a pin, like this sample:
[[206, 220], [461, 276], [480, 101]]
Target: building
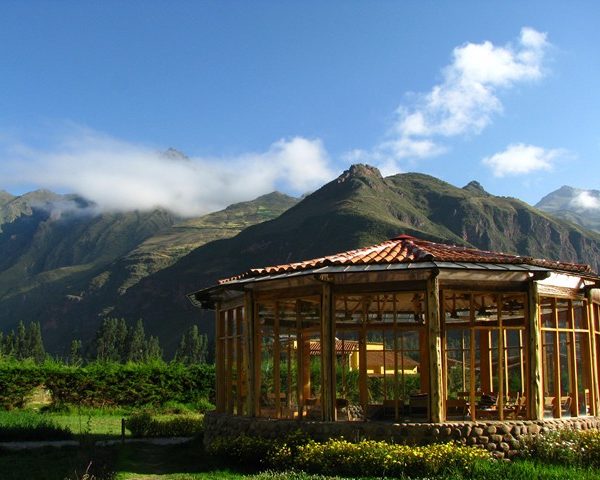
[[409, 331]]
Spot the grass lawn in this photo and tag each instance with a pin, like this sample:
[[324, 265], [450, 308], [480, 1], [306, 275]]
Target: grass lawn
[[105, 424], [100, 423], [189, 462]]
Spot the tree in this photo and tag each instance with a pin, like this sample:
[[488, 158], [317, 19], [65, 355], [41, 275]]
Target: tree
[[21, 350], [110, 340], [34, 343], [153, 350], [9, 344], [137, 346], [193, 347], [75, 357]]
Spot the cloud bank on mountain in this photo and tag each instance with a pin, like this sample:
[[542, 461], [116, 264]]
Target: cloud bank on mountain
[[118, 175]]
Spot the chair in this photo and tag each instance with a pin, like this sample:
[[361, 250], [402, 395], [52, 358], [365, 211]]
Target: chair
[[549, 406], [457, 406], [419, 404]]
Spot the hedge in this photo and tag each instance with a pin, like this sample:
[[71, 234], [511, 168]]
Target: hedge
[[107, 384], [366, 458]]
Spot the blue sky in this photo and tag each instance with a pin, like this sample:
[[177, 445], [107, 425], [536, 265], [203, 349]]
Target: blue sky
[[264, 95]]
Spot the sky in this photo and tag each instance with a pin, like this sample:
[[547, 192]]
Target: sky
[[287, 95]]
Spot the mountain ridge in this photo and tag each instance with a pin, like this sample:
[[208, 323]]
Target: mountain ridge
[[357, 209]]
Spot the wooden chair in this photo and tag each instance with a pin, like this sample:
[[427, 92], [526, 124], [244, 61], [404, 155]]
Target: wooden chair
[[457, 406], [419, 404]]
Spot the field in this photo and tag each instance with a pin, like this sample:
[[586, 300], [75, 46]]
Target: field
[[567, 455], [189, 462]]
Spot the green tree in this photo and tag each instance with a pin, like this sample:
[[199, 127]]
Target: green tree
[[75, 355], [22, 347], [153, 350], [35, 344], [136, 344], [9, 344], [193, 347], [111, 340]]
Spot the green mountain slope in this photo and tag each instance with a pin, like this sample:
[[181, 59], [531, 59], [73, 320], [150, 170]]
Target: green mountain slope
[[357, 209], [575, 205], [65, 265]]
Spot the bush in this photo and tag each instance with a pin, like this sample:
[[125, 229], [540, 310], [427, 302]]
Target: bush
[[566, 446], [339, 457], [17, 382], [108, 384], [144, 425]]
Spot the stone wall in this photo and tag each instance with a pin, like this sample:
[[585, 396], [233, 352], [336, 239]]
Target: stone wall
[[500, 437]]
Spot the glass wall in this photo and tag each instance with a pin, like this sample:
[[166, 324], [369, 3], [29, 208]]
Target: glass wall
[[288, 354], [485, 354], [381, 370], [566, 357]]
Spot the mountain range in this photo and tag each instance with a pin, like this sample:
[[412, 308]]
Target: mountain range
[[69, 267], [574, 204]]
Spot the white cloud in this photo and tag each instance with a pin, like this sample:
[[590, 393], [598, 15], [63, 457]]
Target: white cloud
[[520, 159], [586, 200], [122, 176], [466, 100]]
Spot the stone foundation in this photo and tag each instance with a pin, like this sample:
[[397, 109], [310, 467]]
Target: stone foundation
[[500, 437]]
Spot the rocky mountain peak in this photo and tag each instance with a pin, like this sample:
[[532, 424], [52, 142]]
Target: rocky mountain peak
[[476, 188], [360, 170]]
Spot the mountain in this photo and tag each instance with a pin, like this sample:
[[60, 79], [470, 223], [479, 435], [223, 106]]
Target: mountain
[[65, 264], [357, 209], [68, 268], [575, 205]]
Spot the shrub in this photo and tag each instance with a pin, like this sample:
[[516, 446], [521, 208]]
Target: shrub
[[144, 425], [108, 384], [566, 446], [339, 457]]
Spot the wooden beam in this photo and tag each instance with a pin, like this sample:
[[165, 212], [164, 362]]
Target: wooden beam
[[379, 288], [239, 356], [249, 353], [299, 362], [219, 361], [328, 382], [501, 363], [363, 388], [557, 362], [535, 389], [436, 401], [592, 339], [229, 355], [277, 363]]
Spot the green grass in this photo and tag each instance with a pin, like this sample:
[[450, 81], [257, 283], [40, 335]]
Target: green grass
[[27, 425], [189, 462], [108, 424]]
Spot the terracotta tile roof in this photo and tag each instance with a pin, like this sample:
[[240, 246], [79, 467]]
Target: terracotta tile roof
[[407, 249], [341, 347], [375, 359]]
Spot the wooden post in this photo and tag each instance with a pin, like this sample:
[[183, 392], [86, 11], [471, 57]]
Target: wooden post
[[299, 362], [229, 358], [592, 339], [572, 362], [485, 359], [328, 382], [535, 390], [557, 364], [363, 386], [276, 363], [501, 363], [219, 361], [249, 363], [436, 403], [239, 355]]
